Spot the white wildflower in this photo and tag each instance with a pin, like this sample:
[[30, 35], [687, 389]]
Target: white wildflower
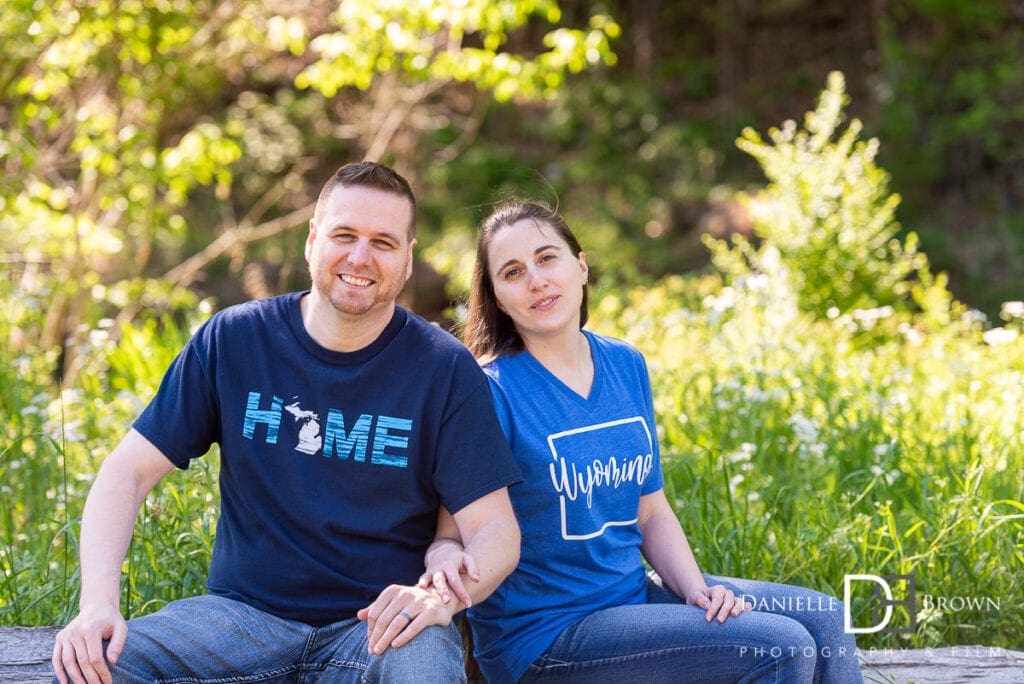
[[974, 316], [804, 428], [755, 394], [888, 476], [743, 454], [868, 317], [97, 337], [912, 334], [723, 302], [1011, 310], [997, 336]]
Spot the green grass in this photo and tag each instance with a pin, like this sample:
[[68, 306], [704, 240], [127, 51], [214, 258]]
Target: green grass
[[796, 448], [803, 449], [52, 442]]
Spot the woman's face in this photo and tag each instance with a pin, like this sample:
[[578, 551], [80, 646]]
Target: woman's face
[[537, 279]]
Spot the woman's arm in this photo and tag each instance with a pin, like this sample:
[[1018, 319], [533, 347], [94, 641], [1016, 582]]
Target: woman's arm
[[667, 550], [447, 561]]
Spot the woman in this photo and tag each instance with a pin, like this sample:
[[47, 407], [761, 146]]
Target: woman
[[576, 408]]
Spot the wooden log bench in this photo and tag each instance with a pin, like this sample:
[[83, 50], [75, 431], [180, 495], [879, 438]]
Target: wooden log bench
[[25, 659]]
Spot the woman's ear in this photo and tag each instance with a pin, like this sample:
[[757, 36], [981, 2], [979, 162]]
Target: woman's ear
[[583, 267]]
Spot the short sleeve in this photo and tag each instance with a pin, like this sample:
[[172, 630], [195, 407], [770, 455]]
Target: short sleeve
[[182, 419], [656, 480], [473, 457]]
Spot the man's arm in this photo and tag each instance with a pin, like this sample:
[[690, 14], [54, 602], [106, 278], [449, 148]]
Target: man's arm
[[127, 475], [490, 534]]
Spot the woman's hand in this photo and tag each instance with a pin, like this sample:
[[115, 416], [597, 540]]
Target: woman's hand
[[717, 601], [399, 613], [447, 564]]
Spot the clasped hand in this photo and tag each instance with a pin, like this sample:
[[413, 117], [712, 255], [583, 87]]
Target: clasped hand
[[401, 612]]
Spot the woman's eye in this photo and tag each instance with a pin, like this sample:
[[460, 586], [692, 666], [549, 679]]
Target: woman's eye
[[510, 273]]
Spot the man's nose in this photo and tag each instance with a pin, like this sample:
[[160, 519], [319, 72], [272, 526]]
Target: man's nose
[[360, 253]]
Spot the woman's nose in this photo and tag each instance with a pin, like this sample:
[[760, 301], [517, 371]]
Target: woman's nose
[[537, 280]]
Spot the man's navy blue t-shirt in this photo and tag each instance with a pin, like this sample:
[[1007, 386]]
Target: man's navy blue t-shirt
[[333, 464]]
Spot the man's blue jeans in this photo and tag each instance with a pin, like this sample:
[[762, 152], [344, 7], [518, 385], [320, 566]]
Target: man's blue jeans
[[792, 635], [214, 639]]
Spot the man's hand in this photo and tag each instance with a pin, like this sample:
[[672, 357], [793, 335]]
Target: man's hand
[[400, 613], [447, 565], [78, 652]]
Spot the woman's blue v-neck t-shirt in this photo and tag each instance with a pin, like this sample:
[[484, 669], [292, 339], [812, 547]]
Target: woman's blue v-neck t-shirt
[[586, 462]]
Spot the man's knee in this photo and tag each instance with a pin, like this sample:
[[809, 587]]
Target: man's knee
[[433, 655]]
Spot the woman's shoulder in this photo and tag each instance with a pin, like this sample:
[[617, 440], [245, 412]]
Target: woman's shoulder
[[613, 346], [502, 366]]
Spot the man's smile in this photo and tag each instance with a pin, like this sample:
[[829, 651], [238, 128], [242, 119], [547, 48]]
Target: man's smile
[[356, 281]]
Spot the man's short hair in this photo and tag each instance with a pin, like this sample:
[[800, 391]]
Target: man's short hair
[[370, 174]]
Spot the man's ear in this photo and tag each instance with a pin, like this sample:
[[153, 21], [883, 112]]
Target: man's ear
[[310, 238], [408, 268]]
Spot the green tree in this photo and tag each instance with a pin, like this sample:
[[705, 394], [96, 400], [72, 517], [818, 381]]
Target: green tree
[[404, 53], [129, 130], [104, 137], [827, 219], [951, 88]]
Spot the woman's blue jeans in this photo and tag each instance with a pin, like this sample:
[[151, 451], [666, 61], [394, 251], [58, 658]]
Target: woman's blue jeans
[[792, 635], [213, 639]]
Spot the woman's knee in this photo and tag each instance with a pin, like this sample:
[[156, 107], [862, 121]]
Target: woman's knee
[[790, 654], [827, 623], [791, 639]]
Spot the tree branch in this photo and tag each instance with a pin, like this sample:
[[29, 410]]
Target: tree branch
[[185, 273]]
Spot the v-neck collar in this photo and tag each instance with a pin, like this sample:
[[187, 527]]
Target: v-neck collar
[[586, 402]]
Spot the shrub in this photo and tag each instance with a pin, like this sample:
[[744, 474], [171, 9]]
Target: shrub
[[828, 213]]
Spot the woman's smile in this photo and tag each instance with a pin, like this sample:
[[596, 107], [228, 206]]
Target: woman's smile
[[546, 303]]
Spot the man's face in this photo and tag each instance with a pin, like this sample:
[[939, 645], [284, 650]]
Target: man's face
[[358, 249]]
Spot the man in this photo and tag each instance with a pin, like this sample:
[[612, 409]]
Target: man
[[344, 423]]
